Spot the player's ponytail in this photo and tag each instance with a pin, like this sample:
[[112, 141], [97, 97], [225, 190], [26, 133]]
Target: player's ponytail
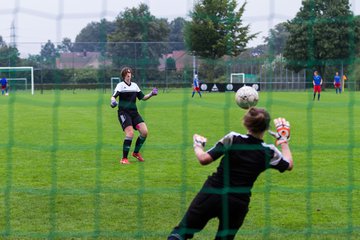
[[257, 120]]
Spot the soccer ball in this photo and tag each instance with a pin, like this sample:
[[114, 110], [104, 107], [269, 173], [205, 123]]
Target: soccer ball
[[246, 97]]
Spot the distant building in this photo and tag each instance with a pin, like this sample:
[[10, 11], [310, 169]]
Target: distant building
[[182, 59], [80, 60]]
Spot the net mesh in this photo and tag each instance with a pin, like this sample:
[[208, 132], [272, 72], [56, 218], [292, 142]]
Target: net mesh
[[60, 149]]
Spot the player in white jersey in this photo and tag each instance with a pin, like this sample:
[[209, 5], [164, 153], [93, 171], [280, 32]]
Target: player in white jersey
[[196, 85], [128, 115]]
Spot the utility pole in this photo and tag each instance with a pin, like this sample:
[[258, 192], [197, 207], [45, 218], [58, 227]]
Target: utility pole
[[12, 35]]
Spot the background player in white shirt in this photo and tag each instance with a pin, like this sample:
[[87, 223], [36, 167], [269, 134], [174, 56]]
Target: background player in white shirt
[[196, 85]]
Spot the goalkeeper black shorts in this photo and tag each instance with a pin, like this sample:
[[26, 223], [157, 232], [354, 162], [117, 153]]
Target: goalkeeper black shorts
[[129, 118]]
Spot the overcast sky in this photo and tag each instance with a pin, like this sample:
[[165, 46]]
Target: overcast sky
[[37, 21]]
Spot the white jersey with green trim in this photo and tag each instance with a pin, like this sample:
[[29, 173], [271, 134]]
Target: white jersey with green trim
[[127, 94]]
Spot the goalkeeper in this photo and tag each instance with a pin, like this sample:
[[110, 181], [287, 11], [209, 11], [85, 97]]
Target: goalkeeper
[[226, 194], [128, 115]]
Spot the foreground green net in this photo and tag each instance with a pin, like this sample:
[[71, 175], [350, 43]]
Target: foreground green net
[[60, 150]]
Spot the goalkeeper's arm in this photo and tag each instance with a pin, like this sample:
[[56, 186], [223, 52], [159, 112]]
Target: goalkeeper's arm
[[200, 153], [282, 136], [153, 92], [285, 150]]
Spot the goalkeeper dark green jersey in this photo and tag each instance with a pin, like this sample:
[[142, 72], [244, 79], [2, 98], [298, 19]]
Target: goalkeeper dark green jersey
[[244, 157], [127, 95]]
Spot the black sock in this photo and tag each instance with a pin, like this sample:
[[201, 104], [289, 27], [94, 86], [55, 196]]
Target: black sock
[[139, 142], [126, 147]]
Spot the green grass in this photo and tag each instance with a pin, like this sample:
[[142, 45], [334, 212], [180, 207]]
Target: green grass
[[61, 177]]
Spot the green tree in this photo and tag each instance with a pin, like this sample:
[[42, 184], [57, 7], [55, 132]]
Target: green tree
[[66, 46], [9, 56], [356, 27], [93, 37], [217, 29], [353, 71], [170, 64], [323, 33], [176, 35], [2, 42], [33, 60], [277, 38], [137, 39], [48, 54]]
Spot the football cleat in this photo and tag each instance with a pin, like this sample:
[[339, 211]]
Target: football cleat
[[138, 157], [124, 161]]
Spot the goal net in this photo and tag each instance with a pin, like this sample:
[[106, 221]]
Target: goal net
[[16, 84], [60, 175], [18, 77]]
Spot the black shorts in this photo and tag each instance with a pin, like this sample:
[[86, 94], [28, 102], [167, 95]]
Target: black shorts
[[129, 118], [229, 209]]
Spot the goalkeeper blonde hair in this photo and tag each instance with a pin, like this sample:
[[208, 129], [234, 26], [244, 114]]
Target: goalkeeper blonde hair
[[257, 120]]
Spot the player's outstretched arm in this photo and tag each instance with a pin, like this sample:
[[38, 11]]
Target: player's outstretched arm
[[199, 144], [282, 136], [285, 150], [153, 92]]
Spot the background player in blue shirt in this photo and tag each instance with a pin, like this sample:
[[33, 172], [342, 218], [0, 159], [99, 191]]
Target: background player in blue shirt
[[337, 83], [317, 82], [4, 86]]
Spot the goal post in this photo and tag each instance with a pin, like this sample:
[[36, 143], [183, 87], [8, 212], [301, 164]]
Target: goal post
[[237, 78], [10, 70], [114, 82]]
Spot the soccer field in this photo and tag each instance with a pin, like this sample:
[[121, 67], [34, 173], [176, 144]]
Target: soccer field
[[61, 177]]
